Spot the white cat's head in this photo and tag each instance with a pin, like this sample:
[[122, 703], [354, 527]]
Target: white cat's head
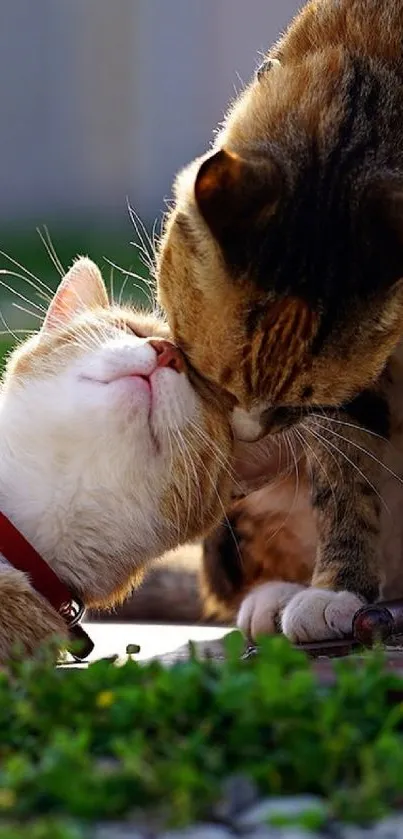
[[108, 454]]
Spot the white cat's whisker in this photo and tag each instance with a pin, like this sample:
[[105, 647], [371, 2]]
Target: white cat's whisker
[[170, 472], [27, 311], [187, 444], [177, 524], [185, 455], [16, 332], [8, 330], [212, 447], [27, 273], [219, 499], [5, 272], [50, 250], [22, 297], [112, 285]]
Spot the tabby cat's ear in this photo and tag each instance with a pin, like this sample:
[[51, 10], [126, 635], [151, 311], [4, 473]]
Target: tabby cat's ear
[[81, 289], [233, 194]]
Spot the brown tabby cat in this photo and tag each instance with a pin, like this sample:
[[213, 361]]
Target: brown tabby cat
[[281, 271]]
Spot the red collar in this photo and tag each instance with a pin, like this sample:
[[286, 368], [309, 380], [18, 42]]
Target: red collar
[[19, 553]]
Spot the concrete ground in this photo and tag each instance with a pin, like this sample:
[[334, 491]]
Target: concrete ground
[[153, 639]]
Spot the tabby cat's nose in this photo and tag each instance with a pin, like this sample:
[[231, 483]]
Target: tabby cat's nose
[[168, 355]]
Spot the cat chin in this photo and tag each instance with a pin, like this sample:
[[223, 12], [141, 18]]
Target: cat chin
[[174, 403], [247, 425]]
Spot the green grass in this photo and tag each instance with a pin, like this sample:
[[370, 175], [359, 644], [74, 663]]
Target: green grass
[[26, 248], [81, 745]]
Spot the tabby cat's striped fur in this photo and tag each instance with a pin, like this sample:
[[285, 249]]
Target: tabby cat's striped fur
[[281, 272]]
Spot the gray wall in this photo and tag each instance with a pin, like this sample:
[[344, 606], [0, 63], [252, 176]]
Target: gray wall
[[104, 99]]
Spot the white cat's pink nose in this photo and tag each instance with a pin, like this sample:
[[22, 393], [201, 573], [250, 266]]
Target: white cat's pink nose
[[168, 355]]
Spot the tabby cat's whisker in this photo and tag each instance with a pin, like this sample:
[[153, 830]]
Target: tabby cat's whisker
[[122, 290], [330, 453], [351, 462], [142, 233], [155, 237], [273, 486], [305, 442], [128, 272], [212, 446], [147, 264], [295, 459], [147, 258], [351, 425], [363, 450], [145, 291]]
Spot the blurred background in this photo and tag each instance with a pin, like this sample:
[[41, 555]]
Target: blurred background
[[101, 104]]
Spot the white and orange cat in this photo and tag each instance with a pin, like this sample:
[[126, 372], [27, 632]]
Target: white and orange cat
[[97, 413]]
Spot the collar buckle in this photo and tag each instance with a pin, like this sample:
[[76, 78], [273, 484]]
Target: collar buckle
[[72, 611]]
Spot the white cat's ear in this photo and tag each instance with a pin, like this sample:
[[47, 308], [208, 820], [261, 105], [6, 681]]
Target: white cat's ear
[[81, 289]]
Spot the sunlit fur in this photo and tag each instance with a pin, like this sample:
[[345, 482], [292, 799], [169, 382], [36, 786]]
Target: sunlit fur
[[281, 272], [292, 229], [99, 476]]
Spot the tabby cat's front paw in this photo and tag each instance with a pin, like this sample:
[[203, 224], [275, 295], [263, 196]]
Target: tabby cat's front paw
[[261, 610], [317, 614]]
